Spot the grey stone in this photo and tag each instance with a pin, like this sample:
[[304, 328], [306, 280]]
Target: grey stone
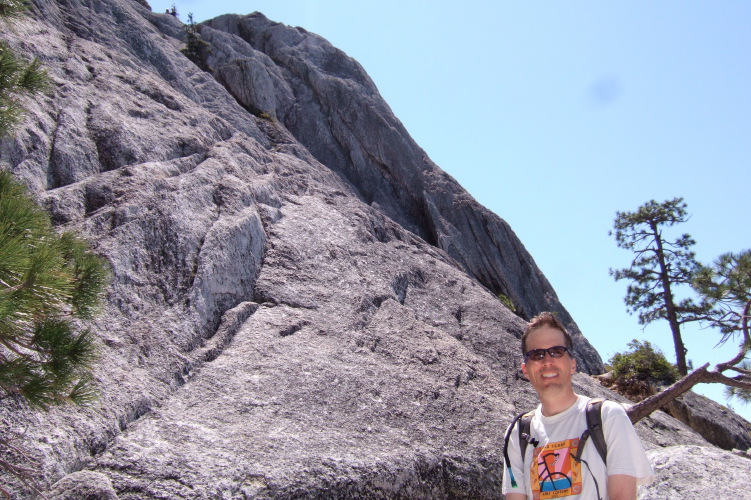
[[716, 423], [83, 485], [310, 91], [696, 473]]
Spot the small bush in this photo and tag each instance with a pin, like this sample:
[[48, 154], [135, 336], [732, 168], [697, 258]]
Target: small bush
[[196, 49], [506, 301], [637, 372], [643, 362]]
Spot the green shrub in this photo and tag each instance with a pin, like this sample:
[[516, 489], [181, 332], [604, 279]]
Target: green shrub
[[196, 49], [643, 363], [506, 301]]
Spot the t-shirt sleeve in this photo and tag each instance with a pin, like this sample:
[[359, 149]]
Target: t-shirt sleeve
[[625, 452], [517, 467]]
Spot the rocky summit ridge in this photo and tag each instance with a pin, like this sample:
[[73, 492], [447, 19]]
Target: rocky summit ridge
[[303, 305]]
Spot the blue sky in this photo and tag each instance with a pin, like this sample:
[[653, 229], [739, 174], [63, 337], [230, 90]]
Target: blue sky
[[556, 115]]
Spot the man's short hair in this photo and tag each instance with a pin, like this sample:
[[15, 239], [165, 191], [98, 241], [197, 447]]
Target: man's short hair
[[542, 320]]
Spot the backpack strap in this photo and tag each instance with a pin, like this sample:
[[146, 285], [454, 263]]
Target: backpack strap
[[594, 430], [523, 422]]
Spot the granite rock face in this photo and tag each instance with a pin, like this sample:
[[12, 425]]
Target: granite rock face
[[696, 472], [717, 424], [302, 304], [309, 86], [83, 485]]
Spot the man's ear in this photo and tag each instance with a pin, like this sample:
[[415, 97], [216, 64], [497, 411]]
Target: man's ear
[[573, 365], [524, 369]]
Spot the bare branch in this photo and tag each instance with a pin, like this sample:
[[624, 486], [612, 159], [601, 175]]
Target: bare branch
[[652, 403], [718, 378]]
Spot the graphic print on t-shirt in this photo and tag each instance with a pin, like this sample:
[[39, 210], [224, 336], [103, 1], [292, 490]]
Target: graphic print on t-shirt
[[555, 473]]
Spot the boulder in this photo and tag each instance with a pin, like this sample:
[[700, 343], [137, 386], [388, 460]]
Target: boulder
[[696, 473], [716, 423], [83, 485]]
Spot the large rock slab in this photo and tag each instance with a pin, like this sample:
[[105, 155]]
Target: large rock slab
[[718, 424], [696, 473], [331, 106]]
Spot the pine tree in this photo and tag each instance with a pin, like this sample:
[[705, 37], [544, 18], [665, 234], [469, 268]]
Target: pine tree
[[18, 79], [658, 268], [727, 286], [46, 281]]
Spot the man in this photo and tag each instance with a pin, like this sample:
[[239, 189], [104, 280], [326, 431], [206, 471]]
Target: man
[[549, 469]]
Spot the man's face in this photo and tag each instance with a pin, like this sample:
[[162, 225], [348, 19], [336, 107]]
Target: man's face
[[548, 374]]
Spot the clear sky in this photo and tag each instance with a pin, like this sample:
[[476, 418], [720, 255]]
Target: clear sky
[[555, 115]]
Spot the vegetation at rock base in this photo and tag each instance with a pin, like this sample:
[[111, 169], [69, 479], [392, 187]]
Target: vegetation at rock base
[[640, 371], [18, 79], [506, 301], [12, 9]]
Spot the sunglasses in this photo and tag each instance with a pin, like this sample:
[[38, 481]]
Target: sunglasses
[[539, 354]]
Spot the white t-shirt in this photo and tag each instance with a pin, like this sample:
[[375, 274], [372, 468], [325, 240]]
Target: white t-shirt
[[556, 474]]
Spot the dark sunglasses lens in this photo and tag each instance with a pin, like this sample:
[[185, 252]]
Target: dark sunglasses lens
[[537, 354], [557, 351]]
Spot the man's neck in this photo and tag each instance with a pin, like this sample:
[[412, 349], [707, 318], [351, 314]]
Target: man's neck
[[553, 404]]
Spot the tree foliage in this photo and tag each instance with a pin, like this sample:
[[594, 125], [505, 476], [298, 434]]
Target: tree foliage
[[12, 9], [659, 266], [727, 287], [46, 282], [645, 363], [743, 394], [196, 49], [639, 372], [18, 79]]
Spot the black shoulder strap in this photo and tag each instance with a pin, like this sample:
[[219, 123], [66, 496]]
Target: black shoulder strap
[[594, 430], [594, 423], [525, 437], [524, 424]]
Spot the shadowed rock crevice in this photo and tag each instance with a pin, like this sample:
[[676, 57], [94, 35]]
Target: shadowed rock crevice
[[401, 283]]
